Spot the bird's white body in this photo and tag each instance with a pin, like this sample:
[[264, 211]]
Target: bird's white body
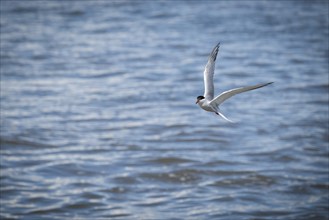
[[205, 105], [208, 102]]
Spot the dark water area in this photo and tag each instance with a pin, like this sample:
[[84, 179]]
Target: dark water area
[[98, 114]]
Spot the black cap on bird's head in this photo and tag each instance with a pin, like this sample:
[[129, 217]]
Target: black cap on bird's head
[[200, 97]]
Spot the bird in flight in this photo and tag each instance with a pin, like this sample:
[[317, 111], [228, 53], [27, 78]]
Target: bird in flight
[[207, 102]]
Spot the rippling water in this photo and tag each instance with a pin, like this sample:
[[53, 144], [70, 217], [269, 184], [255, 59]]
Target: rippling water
[[98, 119]]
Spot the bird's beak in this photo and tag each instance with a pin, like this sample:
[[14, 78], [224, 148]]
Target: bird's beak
[[197, 101]]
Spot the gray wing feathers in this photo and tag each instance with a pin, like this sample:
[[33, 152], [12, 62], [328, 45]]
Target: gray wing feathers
[[209, 74], [225, 95]]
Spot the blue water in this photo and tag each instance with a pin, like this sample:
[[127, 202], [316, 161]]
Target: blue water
[[98, 114]]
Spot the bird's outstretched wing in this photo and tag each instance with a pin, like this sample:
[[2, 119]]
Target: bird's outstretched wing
[[227, 94], [208, 74]]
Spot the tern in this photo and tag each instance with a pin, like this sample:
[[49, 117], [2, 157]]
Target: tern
[[207, 102]]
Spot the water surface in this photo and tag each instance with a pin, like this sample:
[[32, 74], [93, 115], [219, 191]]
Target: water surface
[[98, 119]]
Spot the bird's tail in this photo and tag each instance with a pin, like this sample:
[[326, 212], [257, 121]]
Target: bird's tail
[[223, 116]]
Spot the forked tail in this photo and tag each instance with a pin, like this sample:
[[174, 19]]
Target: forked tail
[[223, 116]]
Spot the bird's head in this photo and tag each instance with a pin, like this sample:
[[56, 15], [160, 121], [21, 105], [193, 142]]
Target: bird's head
[[200, 97]]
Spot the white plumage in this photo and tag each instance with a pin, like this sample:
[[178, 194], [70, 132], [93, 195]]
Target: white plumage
[[207, 101]]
